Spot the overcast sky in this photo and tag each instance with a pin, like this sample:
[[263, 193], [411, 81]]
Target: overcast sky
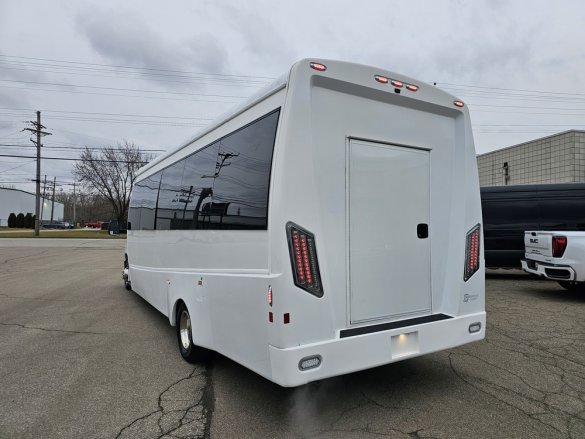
[[154, 72]]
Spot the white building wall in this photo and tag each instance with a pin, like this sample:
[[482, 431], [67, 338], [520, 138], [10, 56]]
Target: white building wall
[[17, 201], [554, 159]]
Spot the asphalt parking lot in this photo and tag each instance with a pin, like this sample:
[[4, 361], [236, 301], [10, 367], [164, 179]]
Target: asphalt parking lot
[[82, 357]]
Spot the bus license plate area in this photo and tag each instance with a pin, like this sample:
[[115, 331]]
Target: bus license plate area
[[404, 345]]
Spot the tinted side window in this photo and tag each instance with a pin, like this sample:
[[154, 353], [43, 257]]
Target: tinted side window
[[169, 197], [242, 177], [134, 208], [196, 187], [562, 213], [148, 202]]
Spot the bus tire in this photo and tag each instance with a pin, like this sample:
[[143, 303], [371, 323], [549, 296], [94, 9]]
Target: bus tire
[[189, 351]]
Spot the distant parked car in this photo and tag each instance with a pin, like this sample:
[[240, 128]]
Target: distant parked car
[[46, 224], [94, 225]]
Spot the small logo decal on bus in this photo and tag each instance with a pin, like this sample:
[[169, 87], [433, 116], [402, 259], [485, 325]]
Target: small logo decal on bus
[[470, 297]]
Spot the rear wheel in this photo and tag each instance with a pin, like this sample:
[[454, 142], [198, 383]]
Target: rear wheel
[[190, 352], [572, 286]]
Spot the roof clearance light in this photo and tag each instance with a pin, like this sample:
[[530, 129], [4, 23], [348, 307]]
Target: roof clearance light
[[412, 87], [397, 83], [458, 104], [382, 79], [318, 66]]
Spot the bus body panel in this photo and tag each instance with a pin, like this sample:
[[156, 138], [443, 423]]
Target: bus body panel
[[224, 276]]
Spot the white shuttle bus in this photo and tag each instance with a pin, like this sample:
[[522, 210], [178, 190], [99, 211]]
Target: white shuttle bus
[[328, 225]]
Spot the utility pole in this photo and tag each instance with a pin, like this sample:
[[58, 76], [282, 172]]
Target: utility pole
[[53, 201], [74, 200], [38, 130], [44, 197]]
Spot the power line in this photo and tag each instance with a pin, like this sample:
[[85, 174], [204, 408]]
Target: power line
[[70, 159], [59, 84], [3, 172], [120, 95], [109, 114], [512, 89], [116, 121], [83, 148], [214, 82], [130, 67]]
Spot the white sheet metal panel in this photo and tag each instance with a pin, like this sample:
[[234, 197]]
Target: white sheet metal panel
[[389, 265]]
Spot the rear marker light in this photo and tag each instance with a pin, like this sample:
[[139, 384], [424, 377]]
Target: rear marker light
[[474, 327], [303, 256], [458, 104], [286, 318], [318, 66], [310, 362], [472, 248], [397, 83], [270, 317], [270, 296], [559, 245], [382, 79], [412, 87]]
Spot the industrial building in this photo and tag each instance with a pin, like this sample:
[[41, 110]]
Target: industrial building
[[17, 201], [559, 158]]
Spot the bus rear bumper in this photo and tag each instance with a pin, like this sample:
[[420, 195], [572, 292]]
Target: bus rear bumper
[[345, 355]]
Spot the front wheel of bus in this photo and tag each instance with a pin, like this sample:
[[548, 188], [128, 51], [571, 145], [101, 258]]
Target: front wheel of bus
[[189, 351]]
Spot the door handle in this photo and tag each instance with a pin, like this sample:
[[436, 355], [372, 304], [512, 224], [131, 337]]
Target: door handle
[[422, 230]]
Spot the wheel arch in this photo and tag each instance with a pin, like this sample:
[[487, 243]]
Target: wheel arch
[[173, 313]]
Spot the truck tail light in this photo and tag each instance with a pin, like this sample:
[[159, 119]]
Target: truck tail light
[[559, 244], [303, 257], [472, 245]]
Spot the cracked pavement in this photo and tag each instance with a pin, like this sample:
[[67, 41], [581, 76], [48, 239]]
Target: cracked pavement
[[526, 380], [81, 357]]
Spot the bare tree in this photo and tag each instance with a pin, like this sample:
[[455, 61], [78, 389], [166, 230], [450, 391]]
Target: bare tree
[[110, 173]]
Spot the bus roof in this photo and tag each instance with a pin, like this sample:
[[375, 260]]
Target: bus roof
[[432, 95]]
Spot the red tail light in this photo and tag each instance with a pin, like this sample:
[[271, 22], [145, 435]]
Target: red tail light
[[472, 245], [318, 66], [559, 244], [303, 256], [381, 79]]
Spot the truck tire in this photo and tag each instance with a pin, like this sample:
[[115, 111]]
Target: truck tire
[[572, 286], [190, 352]]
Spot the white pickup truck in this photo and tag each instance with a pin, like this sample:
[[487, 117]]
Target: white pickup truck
[[558, 256]]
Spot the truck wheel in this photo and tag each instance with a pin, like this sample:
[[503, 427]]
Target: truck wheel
[[190, 352], [572, 286]]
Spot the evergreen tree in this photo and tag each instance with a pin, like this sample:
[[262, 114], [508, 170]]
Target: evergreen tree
[[20, 220], [12, 220]]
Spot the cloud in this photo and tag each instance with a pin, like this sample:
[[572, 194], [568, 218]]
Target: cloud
[[135, 43]]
